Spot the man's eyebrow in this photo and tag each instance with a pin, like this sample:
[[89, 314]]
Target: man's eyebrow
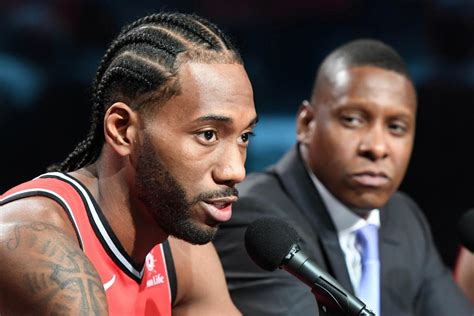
[[225, 119], [253, 122], [212, 117]]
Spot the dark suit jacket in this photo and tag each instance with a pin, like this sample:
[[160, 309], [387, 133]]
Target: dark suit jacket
[[413, 279]]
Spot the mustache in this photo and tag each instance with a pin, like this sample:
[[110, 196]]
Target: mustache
[[216, 194]]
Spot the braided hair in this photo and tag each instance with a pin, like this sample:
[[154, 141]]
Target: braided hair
[[141, 67]]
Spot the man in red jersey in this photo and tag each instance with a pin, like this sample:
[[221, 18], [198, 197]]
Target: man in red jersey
[[173, 112]]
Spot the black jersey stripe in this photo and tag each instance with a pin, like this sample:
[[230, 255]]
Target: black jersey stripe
[[170, 269]]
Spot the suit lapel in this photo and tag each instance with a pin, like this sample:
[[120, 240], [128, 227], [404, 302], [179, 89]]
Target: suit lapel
[[389, 247], [296, 181]]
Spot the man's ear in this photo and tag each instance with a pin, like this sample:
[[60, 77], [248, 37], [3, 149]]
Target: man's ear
[[121, 128], [304, 122]]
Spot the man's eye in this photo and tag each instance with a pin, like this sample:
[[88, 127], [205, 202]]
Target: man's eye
[[208, 135], [398, 128], [245, 137], [351, 120]]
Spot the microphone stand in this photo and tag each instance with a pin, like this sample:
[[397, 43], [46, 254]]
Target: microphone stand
[[331, 297], [329, 306]]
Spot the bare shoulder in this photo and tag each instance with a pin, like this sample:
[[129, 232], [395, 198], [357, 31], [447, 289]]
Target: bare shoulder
[[202, 289], [36, 208], [43, 269]]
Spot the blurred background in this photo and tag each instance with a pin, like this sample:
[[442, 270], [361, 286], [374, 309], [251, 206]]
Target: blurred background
[[49, 51]]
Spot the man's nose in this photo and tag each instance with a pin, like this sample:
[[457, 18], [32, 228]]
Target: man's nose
[[230, 169], [373, 144]]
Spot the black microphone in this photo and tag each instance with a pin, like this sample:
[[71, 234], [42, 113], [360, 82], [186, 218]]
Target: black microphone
[[273, 243], [466, 229]]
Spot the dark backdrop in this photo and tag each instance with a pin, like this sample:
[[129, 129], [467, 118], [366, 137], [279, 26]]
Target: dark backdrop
[[49, 51]]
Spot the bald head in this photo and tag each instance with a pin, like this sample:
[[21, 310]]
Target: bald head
[[357, 53]]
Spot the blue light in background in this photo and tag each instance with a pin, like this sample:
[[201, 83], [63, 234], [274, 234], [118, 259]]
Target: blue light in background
[[20, 82], [275, 134]]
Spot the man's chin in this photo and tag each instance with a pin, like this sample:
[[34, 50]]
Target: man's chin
[[363, 204], [362, 212], [197, 235]]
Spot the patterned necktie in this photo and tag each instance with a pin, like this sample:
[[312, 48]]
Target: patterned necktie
[[369, 286]]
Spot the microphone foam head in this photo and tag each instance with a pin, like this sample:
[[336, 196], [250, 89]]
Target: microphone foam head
[[268, 240], [466, 229]]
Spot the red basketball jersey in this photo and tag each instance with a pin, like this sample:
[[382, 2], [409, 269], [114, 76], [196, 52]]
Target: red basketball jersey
[[130, 289]]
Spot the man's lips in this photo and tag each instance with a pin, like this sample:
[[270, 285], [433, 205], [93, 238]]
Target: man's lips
[[372, 179], [222, 202], [220, 209]]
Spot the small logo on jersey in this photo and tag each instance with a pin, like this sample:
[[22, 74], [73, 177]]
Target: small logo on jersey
[[154, 277], [108, 284], [150, 262]]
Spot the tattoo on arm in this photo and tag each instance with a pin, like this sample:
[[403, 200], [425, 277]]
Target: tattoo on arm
[[48, 271]]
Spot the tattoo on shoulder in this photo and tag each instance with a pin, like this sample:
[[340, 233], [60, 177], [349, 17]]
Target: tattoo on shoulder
[[53, 271]]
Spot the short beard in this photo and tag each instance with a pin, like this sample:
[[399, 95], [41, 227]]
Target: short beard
[[166, 198]]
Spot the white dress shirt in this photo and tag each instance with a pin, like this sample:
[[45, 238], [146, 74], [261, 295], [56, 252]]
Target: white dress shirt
[[347, 223]]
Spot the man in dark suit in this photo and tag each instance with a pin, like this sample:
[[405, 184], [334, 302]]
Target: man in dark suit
[[355, 138]]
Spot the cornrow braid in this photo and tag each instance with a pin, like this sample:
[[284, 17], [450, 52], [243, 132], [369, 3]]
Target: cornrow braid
[[194, 25], [140, 68], [216, 31]]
